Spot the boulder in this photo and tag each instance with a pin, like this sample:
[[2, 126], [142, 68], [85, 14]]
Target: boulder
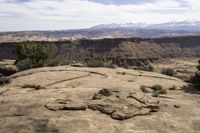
[[4, 80], [8, 70]]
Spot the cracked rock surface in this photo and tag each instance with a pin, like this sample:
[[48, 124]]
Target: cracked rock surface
[[120, 105]]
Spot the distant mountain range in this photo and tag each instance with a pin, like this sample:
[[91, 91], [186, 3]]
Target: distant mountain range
[[127, 30], [183, 25]]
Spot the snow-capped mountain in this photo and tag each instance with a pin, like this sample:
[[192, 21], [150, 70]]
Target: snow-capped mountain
[[182, 25], [115, 25]]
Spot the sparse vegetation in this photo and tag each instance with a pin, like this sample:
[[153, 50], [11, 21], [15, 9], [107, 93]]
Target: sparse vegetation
[[174, 87], [97, 61], [149, 68], [155, 94], [195, 80], [54, 62], [94, 63], [123, 73], [24, 64], [36, 87], [158, 89], [168, 71], [162, 91], [32, 55], [145, 89]]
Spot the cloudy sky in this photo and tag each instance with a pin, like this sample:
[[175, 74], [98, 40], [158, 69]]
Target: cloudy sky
[[73, 14]]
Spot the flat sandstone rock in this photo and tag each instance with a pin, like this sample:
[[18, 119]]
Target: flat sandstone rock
[[120, 105]]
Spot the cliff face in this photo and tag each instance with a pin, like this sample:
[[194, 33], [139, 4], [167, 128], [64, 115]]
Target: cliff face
[[122, 51]]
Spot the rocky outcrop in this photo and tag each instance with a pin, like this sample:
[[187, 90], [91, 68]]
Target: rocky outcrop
[[8, 70], [120, 105], [7, 67]]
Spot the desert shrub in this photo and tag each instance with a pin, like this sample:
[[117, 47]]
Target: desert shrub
[[108, 64], [36, 87], [156, 87], [145, 89], [66, 62], [182, 71], [198, 66], [32, 55], [195, 80], [123, 73], [99, 62], [168, 71], [155, 94], [149, 68], [54, 62], [24, 64], [159, 89], [162, 91], [173, 87], [94, 63]]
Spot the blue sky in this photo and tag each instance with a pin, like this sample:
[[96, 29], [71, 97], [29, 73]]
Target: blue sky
[[18, 15]]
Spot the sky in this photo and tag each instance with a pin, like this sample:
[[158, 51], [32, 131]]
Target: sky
[[18, 15]]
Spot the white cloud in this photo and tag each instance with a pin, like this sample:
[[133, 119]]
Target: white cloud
[[70, 14]]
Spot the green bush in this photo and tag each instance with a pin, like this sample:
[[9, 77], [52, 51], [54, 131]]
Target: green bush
[[195, 80], [24, 64], [168, 71], [54, 62], [32, 55], [100, 62], [108, 64], [95, 63]]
